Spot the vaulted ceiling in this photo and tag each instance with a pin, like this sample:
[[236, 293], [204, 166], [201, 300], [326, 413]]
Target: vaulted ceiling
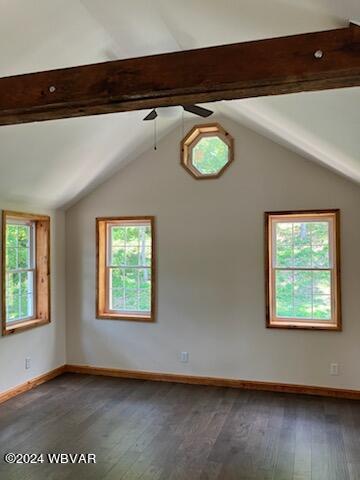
[[54, 163]]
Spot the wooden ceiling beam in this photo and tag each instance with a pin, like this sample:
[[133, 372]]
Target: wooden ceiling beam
[[298, 63]]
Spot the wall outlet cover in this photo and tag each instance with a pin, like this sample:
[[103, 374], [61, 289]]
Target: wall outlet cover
[[334, 369], [184, 357]]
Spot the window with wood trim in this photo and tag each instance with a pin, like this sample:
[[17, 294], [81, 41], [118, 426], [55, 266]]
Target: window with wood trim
[[303, 269], [126, 268], [25, 271], [207, 150]]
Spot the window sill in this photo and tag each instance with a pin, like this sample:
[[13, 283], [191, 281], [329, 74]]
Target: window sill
[[304, 326], [127, 317], [22, 326]]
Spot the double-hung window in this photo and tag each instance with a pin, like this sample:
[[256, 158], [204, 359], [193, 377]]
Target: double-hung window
[[26, 298], [126, 283], [303, 269]]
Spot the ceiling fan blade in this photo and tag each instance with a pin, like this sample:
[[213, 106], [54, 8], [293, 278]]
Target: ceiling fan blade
[[151, 116], [201, 111]]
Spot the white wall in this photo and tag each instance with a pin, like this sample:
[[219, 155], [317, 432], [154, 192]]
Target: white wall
[[210, 268], [45, 345]]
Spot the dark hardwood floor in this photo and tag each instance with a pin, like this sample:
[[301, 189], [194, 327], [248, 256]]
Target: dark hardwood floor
[[166, 431]]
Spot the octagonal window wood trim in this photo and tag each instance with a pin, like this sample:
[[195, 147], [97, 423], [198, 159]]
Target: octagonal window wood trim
[[193, 137]]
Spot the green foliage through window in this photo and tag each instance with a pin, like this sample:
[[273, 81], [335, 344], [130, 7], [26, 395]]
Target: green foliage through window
[[303, 270], [130, 268], [19, 283], [210, 155]]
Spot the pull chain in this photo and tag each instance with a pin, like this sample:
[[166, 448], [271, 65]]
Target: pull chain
[[182, 123], [155, 135]]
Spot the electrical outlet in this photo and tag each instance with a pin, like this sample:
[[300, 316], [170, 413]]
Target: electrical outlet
[[184, 357], [334, 369], [27, 363]]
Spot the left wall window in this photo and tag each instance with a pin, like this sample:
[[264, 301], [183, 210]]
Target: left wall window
[[25, 271]]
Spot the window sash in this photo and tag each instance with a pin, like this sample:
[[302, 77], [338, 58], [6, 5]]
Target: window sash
[[298, 318], [13, 271], [111, 267], [331, 239], [137, 289]]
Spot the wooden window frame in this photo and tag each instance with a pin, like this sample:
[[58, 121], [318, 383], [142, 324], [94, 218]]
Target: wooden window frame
[[193, 137], [102, 243], [292, 323], [42, 303]]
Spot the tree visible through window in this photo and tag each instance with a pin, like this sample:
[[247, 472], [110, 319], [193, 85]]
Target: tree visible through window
[[210, 155], [303, 283], [130, 268], [20, 270], [125, 268]]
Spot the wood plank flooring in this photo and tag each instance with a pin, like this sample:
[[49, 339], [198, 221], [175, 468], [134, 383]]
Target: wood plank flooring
[[166, 431]]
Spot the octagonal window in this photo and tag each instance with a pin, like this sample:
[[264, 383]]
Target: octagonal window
[[206, 151]]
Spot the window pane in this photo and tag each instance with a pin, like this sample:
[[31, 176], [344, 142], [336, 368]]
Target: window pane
[[303, 306], [284, 293], [11, 258], [284, 283], [302, 256], [11, 235], [118, 256], [210, 155], [302, 233], [132, 255], [118, 236], [320, 233], [12, 285], [131, 278], [132, 235], [117, 299], [322, 307], [320, 244], [302, 294], [302, 283], [12, 308], [131, 300], [322, 283], [284, 233], [26, 305], [284, 255], [18, 246], [147, 233], [145, 300], [320, 256], [284, 307], [26, 283], [117, 278], [147, 257], [24, 235], [23, 257], [145, 278]]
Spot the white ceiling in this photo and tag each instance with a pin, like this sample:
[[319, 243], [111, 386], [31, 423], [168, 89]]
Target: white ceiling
[[54, 163]]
